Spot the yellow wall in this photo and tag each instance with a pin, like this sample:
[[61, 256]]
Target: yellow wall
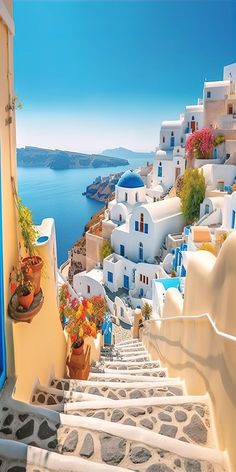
[[191, 349], [8, 169], [40, 345]]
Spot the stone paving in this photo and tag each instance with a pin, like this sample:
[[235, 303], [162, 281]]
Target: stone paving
[[103, 439], [189, 422]]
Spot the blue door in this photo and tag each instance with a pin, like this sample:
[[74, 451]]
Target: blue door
[[2, 331], [126, 281], [233, 219], [108, 332], [122, 250], [172, 141]]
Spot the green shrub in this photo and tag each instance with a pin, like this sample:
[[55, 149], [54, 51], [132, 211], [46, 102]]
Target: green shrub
[[105, 249], [192, 194]]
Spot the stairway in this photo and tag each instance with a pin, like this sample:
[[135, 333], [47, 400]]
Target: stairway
[[129, 415]]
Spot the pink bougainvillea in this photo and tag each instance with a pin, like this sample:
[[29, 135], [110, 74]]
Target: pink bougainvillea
[[200, 144]]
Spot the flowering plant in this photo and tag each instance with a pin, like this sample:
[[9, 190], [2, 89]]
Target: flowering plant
[[200, 144], [75, 316], [18, 282], [98, 309]]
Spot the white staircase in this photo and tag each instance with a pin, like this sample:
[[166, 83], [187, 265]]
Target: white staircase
[[129, 415]]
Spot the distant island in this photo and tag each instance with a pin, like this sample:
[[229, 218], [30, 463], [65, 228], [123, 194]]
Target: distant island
[[124, 153], [30, 156]]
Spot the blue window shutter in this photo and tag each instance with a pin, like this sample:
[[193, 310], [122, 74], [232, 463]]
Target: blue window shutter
[[146, 228], [110, 277], [136, 225]]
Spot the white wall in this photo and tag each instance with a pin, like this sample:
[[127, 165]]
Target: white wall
[[121, 192], [230, 69], [169, 167], [215, 172], [116, 268], [217, 92], [229, 206], [166, 131], [81, 283]]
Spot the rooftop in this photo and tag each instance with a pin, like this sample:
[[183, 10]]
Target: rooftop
[[130, 179]]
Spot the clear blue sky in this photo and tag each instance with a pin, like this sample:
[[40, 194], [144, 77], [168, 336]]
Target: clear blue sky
[[93, 75]]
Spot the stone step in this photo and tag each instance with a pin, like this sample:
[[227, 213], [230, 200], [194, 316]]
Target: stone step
[[18, 457], [135, 358], [101, 442], [121, 365], [127, 377], [133, 447], [183, 418], [151, 372], [133, 347], [51, 397], [129, 341]]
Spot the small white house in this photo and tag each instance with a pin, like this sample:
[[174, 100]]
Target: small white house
[[214, 173], [167, 168]]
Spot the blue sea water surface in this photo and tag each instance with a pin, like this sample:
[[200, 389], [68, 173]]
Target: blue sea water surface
[[58, 194]]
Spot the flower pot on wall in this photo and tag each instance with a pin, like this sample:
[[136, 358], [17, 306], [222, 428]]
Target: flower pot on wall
[[26, 300], [32, 267]]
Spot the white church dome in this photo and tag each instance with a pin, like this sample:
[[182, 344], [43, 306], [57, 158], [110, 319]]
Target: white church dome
[[161, 154]]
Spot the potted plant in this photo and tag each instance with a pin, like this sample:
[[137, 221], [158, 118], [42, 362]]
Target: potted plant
[[32, 264], [23, 288], [75, 315]]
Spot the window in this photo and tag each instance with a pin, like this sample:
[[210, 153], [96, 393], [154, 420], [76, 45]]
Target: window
[[193, 118], [163, 139], [141, 278], [120, 217], [110, 277], [141, 251], [122, 250], [177, 163], [230, 109], [147, 280], [121, 311], [126, 281], [207, 209], [172, 133], [178, 150], [136, 197], [154, 199], [146, 228], [141, 223], [144, 279], [182, 140], [141, 292], [136, 225], [208, 94], [126, 196], [88, 288], [159, 170]]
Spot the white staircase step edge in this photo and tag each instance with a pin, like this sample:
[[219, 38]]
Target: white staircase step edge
[[127, 359], [129, 341], [118, 385], [130, 363], [38, 457], [138, 402], [138, 378], [134, 372], [151, 439]]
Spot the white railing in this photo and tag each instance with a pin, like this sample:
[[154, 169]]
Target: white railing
[[220, 333]]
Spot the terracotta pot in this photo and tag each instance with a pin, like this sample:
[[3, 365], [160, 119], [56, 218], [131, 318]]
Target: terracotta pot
[[77, 351], [26, 300], [35, 275]]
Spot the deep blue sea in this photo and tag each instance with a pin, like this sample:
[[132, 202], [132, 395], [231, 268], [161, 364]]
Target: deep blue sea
[[58, 194]]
